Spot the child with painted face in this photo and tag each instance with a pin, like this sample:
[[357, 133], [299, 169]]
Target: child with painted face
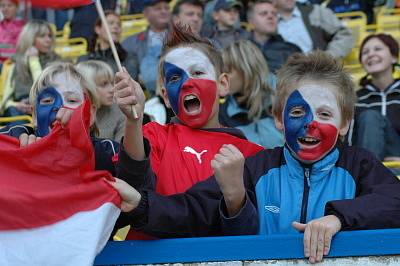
[[58, 91], [192, 80]]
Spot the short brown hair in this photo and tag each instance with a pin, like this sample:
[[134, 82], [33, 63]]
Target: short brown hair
[[182, 36], [318, 66]]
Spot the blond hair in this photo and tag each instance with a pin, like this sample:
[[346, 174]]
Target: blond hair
[[247, 59], [317, 66], [46, 79], [95, 72]]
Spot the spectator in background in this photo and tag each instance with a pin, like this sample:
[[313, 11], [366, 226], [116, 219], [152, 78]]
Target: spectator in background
[[10, 28], [34, 50], [342, 6], [263, 19], [147, 44], [313, 27], [189, 12], [99, 46], [109, 119], [248, 106], [84, 19], [224, 32], [377, 124]]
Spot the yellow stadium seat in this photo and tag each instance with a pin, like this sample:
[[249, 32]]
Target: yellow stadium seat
[[356, 21], [245, 26], [121, 234], [9, 119], [132, 24], [393, 165], [352, 57], [172, 4], [72, 48], [388, 20]]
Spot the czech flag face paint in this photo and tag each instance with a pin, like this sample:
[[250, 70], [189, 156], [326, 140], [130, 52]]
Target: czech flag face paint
[[191, 86], [65, 93], [312, 122]]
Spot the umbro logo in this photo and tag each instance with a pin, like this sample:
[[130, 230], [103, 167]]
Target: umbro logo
[[273, 209]]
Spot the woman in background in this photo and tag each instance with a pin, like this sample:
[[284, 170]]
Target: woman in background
[[99, 46], [35, 49], [377, 125]]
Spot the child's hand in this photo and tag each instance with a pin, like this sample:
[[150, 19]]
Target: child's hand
[[130, 196], [318, 235], [128, 94], [228, 167], [25, 139], [24, 107], [64, 115]]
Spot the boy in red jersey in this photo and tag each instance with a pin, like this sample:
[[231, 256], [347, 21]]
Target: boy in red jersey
[[192, 81]]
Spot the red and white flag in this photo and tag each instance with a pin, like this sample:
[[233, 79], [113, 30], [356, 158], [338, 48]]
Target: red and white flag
[[55, 209]]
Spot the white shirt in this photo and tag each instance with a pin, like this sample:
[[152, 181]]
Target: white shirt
[[294, 30]]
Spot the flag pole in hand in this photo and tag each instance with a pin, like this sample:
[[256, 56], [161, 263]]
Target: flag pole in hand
[[112, 45]]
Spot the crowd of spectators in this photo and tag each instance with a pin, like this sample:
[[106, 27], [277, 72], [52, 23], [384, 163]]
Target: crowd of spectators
[[254, 38]]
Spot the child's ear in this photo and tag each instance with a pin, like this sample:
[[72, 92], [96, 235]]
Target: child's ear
[[343, 130], [97, 30], [223, 85], [278, 124], [165, 97]]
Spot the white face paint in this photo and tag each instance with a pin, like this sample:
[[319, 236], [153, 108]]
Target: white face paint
[[195, 63], [322, 101], [69, 89]]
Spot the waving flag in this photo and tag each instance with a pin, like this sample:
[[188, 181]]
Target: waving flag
[[55, 209], [59, 4]]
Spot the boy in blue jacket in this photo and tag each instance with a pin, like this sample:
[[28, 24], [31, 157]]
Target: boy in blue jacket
[[313, 184]]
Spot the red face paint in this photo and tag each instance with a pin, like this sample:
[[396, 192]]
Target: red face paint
[[205, 91]]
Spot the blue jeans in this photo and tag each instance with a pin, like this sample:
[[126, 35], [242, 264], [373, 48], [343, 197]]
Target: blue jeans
[[375, 133]]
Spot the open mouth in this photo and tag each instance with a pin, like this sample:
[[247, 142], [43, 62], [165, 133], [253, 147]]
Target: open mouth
[[192, 104], [309, 142]]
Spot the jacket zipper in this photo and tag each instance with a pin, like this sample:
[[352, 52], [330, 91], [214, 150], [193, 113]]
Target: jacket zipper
[[304, 203]]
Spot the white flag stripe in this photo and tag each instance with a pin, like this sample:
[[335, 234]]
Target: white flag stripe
[[74, 241]]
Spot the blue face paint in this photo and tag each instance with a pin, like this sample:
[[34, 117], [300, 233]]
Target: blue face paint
[[48, 102], [296, 127], [175, 77]]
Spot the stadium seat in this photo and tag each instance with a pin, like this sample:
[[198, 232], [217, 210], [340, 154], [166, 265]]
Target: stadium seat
[[9, 119], [72, 48], [388, 20], [356, 21], [132, 24]]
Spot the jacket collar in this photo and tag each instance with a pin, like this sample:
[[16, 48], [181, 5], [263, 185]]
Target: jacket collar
[[319, 169]]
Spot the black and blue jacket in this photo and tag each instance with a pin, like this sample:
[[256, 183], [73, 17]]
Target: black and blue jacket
[[348, 183]]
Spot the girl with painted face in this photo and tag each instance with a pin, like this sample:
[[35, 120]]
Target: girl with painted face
[[57, 92], [190, 71], [377, 127]]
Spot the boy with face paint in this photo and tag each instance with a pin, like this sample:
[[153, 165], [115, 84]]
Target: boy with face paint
[[59, 90], [191, 81], [314, 184]]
